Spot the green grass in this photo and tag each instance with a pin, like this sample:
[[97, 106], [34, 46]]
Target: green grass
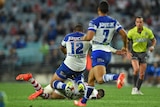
[[17, 94]]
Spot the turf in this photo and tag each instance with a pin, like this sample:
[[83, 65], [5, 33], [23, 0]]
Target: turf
[[17, 94]]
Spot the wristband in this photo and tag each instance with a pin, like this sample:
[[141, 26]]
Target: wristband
[[152, 47]]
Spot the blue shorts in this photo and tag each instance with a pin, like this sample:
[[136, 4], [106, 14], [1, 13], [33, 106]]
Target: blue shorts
[[100, 58], [64, 72], [157, 72]]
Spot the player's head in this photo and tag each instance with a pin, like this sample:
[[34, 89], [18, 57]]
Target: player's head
[[100, 94], [78, 28], [139, 21], [103, 7]]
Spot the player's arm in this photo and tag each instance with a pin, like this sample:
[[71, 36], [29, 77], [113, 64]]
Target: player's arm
[[123, 34], [63, 49], [89, 35], [63, 46], [154, 41], [118, 52]]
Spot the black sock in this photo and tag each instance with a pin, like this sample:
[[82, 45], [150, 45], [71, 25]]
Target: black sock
[[135, 77], [139, 84]]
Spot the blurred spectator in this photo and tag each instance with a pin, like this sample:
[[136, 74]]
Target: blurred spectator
[[157, 74], [3, 17], [20, 42], [71, 26], [38, 28], [2, 58], [45, 51], [15, 8], [150, 75], [71, 5], [13, 30], [29, 27], [51, 35], [11, 17], [50, 3], [3, 31], [121, 5], [54, 55], [12, 60], [61, 30], [36, 8], [153, 74], [52, 20], [155, 7], [62, 16], [21, 28], [26, 8]]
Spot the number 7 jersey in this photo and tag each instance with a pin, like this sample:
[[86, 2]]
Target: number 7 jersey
[[77, 51], [104, 28]]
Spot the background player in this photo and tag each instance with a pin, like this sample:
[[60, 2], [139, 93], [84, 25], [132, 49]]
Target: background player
[[139, 37]]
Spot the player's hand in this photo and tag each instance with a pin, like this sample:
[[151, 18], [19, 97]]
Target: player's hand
[[129, 55], [151, 48], [121, 52]]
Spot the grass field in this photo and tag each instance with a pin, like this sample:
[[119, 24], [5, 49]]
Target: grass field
[[17, 94]]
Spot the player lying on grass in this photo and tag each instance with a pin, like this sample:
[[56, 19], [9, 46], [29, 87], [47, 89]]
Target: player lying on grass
[[50, 93]]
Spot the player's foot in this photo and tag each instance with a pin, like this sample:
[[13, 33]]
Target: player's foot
[[35, 95], [139, 92], [79, 103], [69, 87], [81, 87], [24, 77], [120, 81], [134, 91]]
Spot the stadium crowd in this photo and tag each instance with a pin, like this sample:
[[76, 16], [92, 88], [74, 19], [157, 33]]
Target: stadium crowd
[[31, 30]]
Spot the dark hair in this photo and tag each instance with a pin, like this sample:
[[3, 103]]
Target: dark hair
[[101, 93], [78, 27], [103, 6], [139, 17]]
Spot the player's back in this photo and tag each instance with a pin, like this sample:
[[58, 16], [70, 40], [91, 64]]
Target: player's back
[[104, 27], [76, 51]]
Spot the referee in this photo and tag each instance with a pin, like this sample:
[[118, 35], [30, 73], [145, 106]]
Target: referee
[[139, 37]]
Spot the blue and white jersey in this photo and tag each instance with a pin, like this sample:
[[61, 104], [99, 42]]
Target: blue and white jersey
[[104, 28], [76, 51]]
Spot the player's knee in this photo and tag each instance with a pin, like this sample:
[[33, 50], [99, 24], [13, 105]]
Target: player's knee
[[136, 71], [142, 77]]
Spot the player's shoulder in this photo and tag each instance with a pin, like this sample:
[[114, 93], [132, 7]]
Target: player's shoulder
[[133, 29], [147, 29], [73, 36], [101, 18]]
